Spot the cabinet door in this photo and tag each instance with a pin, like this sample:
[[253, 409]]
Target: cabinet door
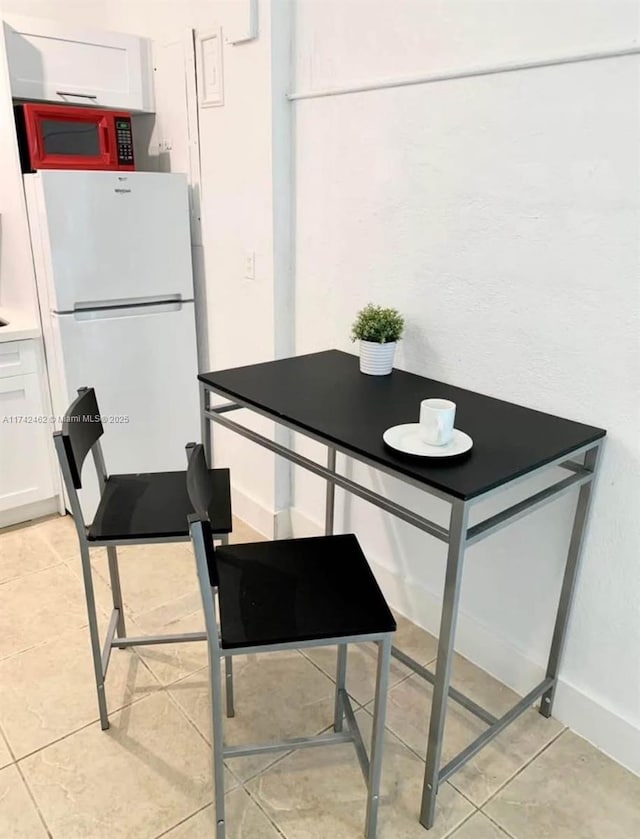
[[26, 474], [17, 358], [56, 63]]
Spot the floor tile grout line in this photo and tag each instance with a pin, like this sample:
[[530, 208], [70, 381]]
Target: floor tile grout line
[[186, 676], [209, 745], [259, 805], [129, 612], [287, 754], [158, 688], [5, 739], [82, 727], [497, 824], [38, 644], [134, 700], [187, 717], [53, 639], [28, 574], [105, 580], [452, 833], [417, 754], [57, 740], [528, 762], [400, 681], [183, 821], [524, 766], [212, 804], [33, 799]]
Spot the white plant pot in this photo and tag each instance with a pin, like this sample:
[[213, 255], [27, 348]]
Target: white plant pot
[[376, 359]]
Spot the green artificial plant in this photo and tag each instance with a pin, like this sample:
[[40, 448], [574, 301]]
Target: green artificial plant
[[377, 324]]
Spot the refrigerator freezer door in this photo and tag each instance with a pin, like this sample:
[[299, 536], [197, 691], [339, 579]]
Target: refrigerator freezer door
[[142, 364], [112, 236]]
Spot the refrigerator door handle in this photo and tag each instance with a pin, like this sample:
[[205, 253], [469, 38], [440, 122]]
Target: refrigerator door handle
[[125, 302], [137, 310]]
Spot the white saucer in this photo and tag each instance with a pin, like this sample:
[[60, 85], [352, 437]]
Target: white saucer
[[406, 438]]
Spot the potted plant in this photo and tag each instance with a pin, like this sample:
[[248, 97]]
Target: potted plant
[[377, 329]]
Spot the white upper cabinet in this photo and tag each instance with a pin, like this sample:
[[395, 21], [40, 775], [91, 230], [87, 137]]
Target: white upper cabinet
[[56, 63]]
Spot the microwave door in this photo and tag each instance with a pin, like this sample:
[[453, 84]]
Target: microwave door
[[67, 138]]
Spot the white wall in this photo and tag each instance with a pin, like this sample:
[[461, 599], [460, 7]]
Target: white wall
[[501, 215], [80, 12], [238, 144]]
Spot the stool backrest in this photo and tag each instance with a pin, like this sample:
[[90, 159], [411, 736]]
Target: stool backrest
[[81, 430], [199, 485], [203, 548], [200, 492]]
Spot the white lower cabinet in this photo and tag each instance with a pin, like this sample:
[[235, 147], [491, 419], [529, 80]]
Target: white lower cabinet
[[27, 469]]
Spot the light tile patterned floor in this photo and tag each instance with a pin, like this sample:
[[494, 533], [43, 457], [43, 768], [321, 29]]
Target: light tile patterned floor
[[148, 776]]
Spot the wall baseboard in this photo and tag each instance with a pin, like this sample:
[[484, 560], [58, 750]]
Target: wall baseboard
[[616, 736], [253, 512], [27, 512], [270, 523]]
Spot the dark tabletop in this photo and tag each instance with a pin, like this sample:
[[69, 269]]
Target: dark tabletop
[[325, 393]]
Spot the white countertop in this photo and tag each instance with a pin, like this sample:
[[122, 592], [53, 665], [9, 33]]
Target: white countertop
[[19, 327]]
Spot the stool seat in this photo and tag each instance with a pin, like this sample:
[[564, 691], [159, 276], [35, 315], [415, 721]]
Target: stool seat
[[155, 505], [296, 590]]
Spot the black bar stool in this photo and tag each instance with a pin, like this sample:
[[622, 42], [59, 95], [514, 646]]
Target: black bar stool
[[134, 509], [284, 595]]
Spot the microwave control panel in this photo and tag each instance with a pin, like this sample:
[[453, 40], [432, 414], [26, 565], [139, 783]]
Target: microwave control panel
[[124, 139]]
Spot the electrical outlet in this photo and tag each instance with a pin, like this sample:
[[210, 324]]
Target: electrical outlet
[[250, 265], [164, 145]]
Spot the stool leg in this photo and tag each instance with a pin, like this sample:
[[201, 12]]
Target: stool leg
[[341, 684], [228, 660], [94, 634], [377, 736], [116, 593], [217, 740]]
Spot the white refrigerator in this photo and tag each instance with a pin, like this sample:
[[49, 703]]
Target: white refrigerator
[[112, 253]]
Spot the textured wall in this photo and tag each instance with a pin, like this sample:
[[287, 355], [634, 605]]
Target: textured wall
[[501, 215]]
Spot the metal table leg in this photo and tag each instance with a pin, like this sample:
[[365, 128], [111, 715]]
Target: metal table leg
[[452, 587], [569, 581], [331, 494]]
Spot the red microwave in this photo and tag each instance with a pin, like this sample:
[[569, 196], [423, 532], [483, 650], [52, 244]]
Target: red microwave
[[62, 137]]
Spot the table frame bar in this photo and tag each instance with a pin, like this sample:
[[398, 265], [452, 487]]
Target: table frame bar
[[456, 695], [458, 536], [499, 725]]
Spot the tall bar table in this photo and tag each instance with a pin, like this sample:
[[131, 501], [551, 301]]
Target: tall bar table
[[323, 396]]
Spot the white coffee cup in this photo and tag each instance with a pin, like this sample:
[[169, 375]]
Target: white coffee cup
[[436, 421]]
